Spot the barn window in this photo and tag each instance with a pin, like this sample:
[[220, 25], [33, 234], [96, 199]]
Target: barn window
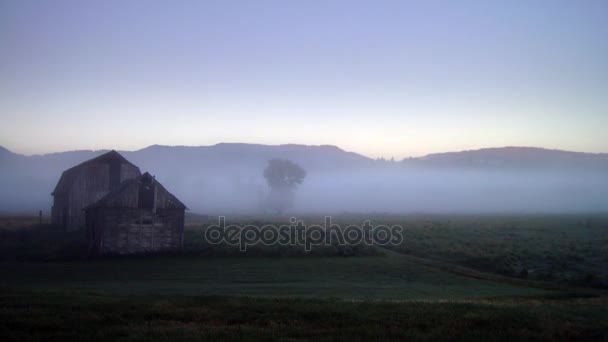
[[146, 195]]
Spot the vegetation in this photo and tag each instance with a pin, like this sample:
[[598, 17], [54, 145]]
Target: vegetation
[[570, 249], [391, 277], [283, 177], [59, 316], [454, 277], [22, 238]]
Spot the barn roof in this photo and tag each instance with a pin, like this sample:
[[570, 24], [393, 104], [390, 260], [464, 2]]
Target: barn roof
[[126, 186], [68, 176]]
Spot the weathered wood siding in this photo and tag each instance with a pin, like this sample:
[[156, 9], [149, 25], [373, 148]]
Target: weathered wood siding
[[60, 211], [134, 230], [90, 183], [140, 216]]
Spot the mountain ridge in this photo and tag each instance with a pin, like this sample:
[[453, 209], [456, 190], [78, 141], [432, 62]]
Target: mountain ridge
[[229, 176], [500, 149]]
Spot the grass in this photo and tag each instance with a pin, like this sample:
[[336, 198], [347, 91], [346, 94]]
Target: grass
[[569, 249], [362, 278], [454, 277], [58, 316]]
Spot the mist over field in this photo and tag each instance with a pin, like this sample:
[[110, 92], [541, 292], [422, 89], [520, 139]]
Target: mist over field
[[227, 179]]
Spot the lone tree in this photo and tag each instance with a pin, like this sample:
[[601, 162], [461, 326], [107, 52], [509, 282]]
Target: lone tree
[[283, 178]]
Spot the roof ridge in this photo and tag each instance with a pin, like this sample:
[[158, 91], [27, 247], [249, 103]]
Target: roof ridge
[[63, 181], [125, 185]]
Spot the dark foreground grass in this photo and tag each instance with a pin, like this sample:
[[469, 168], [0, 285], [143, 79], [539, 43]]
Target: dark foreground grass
[[36, 316], [390, 277], [452, 279], [570, 249]]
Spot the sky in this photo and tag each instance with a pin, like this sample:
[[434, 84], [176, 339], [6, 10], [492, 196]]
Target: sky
[[381, 78]]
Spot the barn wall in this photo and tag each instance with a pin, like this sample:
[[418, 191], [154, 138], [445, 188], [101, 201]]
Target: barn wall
[[60, 210], [133, 230], [128, 171], [94, 229], [91, 183], [164, 199], [128, 198]]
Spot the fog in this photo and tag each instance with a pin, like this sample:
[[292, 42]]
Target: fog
[[406, 191], [227, 179]]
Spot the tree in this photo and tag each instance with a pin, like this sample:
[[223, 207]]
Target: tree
[[283, 178]]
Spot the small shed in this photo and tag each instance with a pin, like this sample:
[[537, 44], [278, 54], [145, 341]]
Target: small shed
[[141, 216]]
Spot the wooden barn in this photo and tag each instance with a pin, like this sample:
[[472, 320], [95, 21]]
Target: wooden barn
[[85, 184], [141, 216]]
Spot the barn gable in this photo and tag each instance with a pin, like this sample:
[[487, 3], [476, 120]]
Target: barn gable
[[85, 184], [112, 158], [140, 216], [141, 192]]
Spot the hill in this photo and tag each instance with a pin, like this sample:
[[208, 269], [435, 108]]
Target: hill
[[227, 178], [518, 158]]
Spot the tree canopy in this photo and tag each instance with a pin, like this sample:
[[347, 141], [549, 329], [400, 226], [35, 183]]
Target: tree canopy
[[283, 177]]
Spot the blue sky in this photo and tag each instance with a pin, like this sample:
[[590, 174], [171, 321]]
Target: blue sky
[[382, 78]]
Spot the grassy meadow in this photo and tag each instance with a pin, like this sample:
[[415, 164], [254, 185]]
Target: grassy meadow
[[453, 277], [67, 316]]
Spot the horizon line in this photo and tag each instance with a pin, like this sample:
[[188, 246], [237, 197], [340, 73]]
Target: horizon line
[[304, 145]]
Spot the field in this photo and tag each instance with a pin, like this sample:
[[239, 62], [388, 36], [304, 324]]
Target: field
[[80, 316], [452, 277]]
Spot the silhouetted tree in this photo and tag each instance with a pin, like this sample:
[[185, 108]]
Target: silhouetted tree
[[283, 178]]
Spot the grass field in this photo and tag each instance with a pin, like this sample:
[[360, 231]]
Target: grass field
[[446, 281], [373, 278], [44, 316], [570, 249]]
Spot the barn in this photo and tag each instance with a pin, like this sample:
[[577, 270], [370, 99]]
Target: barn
[[85, 184], [140, 216]]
